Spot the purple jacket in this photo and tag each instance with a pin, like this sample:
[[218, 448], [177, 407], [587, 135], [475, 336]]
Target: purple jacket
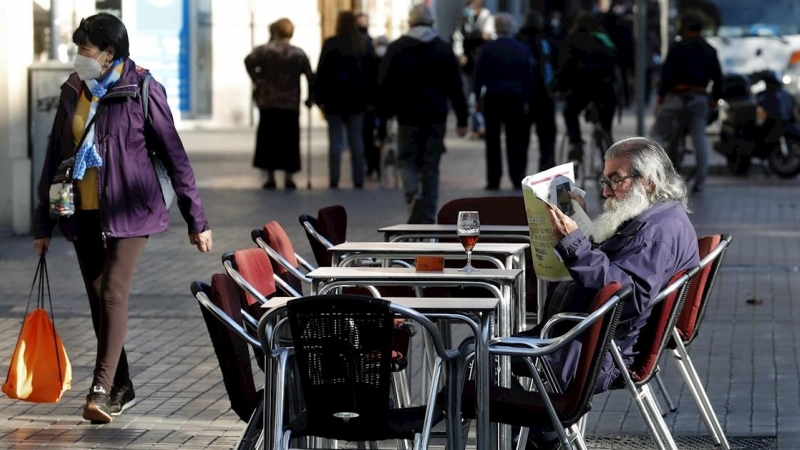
[[130, 194], [644, 253]]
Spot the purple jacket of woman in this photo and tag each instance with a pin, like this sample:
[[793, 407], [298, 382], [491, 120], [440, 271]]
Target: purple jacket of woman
[[644, 253], [131, 203]]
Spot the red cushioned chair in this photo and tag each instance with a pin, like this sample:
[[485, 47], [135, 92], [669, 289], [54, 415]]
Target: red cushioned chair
[[221, 305], [650, 345], [286, 264], [252, 271], [540, 408], [712, 250], [329, 228]]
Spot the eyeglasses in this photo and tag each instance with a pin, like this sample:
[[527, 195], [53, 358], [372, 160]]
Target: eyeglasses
[[614, 184]]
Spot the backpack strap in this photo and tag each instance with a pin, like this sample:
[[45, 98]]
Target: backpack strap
[[146, 95]]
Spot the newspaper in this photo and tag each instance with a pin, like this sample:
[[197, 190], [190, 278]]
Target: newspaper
[[542, 191]]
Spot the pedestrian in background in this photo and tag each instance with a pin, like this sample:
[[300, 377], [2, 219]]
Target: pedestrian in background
[[504, 69], [118, 201], [683, 96], [542, 110], [371, 120], [275, 69], [476, 28], [418, 75], [345, 83]]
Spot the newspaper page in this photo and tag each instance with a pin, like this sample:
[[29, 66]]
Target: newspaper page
[[542, 191]]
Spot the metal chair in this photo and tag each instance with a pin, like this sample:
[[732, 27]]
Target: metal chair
[[329, 228], [652, 341], [712, 250], [342, 346], [544, 407], [220, 304], [251, 269]]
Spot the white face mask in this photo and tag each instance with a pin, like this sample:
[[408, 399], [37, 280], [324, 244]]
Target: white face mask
[[87, 68], [380, 51]]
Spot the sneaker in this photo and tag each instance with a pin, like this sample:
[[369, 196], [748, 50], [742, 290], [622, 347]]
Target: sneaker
[[122, 398], [98, 406]]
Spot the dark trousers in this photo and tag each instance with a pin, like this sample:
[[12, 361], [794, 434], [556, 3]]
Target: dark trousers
[[420, 149], [372, 155], [278, 140], [602, 94], [542, 113], [508, 110], [107, 273]]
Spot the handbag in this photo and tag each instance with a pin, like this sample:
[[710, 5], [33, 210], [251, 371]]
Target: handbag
[[167, 191], [39, 371], [62, 191]]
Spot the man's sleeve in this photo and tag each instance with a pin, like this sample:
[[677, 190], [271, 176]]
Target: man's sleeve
[[668, 72], [640, 263], [716, 77], [456, 91]]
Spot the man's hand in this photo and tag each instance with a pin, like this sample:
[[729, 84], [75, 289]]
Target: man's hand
[[202, 241], [41, 245], [562, 224], [462, 131], [462, 60], [577, 197]]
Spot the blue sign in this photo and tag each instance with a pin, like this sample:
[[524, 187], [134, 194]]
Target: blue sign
[[163, 47]]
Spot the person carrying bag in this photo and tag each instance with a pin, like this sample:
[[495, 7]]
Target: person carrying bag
[[39, 371]]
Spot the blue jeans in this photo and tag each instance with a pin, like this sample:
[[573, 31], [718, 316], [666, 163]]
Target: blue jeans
[[420, 149], [353, 126], [690, 109]]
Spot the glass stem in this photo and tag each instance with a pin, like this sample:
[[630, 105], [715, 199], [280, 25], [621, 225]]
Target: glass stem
[[469, 258]]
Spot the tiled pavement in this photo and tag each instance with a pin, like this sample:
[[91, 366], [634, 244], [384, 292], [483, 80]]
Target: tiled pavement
[[749, 353]]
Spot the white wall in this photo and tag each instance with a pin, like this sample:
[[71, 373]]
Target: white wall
[[16, 53]]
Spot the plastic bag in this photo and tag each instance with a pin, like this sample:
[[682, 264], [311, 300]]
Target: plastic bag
[[39, 371]]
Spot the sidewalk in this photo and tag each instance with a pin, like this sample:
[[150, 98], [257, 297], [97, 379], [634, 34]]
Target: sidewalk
[[748, 353]]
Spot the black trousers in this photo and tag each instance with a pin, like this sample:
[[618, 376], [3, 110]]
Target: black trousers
[[601, 94], [278, 140], [505, 111], [107, 272], [542, 113], [372, 154]]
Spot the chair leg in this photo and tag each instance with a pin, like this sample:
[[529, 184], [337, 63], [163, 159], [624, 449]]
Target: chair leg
[[253, 433], [655, 412], [695, 385], [403, 396], [639, 398], [665, 393]]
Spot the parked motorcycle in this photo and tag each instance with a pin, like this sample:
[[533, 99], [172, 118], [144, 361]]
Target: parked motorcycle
[[759, 121]]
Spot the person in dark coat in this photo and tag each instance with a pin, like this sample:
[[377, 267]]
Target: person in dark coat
[[275, 69], [642, 238], [587, 74], [504, 71], [118, 199], [542, 110], [345, 84], [418, 76]]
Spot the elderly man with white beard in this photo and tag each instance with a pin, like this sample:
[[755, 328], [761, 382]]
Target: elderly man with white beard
[[642, 238]]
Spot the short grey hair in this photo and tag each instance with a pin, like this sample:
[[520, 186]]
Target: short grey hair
[[649, 160], [504, 24], [420, 15]]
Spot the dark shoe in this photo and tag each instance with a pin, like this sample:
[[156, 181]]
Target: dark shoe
[[98, 406], [359, 186], [575, 152], [290, 186], [334, 185], [491, 187], [122, 398], [270, 184], [697, 189]]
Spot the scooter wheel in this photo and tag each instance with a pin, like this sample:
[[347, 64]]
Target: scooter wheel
[[786, 166]]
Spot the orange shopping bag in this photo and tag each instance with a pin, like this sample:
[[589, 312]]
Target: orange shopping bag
[[39, 371]]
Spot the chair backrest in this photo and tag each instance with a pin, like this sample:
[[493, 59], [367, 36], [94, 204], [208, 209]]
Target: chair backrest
[[332, 223], [343, 351], [229, 340], [276, 238], [254, 266], [492, 210], [657, 331], [595, 342], [319, 249], [700, 286]]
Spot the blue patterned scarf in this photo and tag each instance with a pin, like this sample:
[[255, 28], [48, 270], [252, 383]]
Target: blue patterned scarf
[[87, 155]]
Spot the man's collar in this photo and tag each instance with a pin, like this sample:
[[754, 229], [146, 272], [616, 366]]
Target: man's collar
[[632, 226]]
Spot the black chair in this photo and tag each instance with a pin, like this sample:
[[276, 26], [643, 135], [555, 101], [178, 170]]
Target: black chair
[[342, 348], [541, 408]]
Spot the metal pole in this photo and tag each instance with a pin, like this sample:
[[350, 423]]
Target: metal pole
[[641, 63], [55, 28]]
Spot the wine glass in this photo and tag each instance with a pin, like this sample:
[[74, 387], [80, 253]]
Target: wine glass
[[469, 229]]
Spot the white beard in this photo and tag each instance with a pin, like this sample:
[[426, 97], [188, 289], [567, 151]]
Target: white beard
[[615, 213]]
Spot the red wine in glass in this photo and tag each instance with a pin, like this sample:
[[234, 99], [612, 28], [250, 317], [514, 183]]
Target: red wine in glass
[[469, 229]]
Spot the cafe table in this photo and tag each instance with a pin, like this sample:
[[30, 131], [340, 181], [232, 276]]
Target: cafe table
[[415, 231], [499, 282]]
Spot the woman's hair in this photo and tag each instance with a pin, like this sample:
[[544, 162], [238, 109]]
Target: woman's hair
[[649, 160], [103, 30], [281, 29], [586, 23], [347, 26]]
